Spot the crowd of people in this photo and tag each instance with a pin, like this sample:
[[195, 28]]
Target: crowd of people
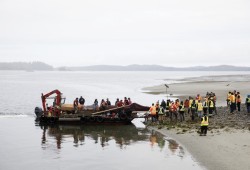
[[234, 101], [174, 110]]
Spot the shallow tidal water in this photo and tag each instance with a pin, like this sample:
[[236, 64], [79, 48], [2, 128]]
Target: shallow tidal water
[[26, 145]]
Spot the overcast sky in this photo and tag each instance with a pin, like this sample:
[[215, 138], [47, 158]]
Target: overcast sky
[[114, 32]]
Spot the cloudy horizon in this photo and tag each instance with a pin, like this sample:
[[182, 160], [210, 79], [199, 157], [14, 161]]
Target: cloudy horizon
[[170, 33]]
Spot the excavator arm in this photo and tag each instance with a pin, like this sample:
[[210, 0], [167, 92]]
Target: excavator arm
[[57, 98]]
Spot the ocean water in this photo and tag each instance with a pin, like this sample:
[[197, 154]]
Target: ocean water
[[26, 145]]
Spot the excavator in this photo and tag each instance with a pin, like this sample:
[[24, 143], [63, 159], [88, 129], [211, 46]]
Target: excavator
[[54, 109]]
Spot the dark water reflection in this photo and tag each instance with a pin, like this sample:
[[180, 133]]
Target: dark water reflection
[[103, 135], [87, 147]]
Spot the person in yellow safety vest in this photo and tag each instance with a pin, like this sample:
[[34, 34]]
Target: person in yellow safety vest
[[198, 97], [205, 106], [193, 110], [238, 101], [204, 125], [190, 103], [160, 114], [153, 112], [168, 107], [199, 109], [210, 105], [196, 100], [181, 111], [232, 103], [248, 103]]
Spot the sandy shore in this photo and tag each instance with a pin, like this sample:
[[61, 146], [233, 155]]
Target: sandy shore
[[227, 144], [221, 150], [220, 85]]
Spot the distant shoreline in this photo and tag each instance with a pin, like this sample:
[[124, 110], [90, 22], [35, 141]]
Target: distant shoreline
[[134, 67]]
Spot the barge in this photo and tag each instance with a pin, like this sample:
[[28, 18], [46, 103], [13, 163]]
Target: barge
[[61, 113]]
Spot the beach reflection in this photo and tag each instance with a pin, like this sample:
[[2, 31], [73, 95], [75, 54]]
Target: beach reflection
[[105, 135], [123, 135]]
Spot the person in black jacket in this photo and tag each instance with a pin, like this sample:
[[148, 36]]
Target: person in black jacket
[[81, 100]]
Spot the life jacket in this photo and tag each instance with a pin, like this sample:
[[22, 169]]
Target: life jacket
[[196, 101], [205, 104], [203, 122], [190, 102], [182, 108], [160, 111], [200, 107], [173, 108], [248, 100], [211, 103], [232, 98], [193, 106], [152, 110]]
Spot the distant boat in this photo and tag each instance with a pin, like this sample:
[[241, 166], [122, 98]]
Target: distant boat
[[61, 113]]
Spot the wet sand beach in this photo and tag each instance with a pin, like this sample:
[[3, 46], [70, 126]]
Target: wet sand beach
[[221, 150], [227, 144], [220, 85]]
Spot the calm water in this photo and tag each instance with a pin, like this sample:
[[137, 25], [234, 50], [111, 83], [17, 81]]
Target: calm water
[[25, 145]]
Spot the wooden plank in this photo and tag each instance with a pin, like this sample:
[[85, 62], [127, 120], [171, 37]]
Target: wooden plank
[[103, 111]]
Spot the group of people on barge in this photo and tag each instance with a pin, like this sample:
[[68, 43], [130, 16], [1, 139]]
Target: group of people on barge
[[103, 104]]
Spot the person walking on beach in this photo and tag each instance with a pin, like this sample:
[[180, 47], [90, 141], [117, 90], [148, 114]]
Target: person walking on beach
[[238, 101], [204, 125], [153, 112], [205, 106], [167, 108], [248, 103], [173, 111], [210, 105], [181, 111], [163, 104], [193, 110], [160, 114], [199, 109], [186, 106], [157, 106], [232, 103], [190, 103]]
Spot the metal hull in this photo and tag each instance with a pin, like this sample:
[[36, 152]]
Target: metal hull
[[84, 120]]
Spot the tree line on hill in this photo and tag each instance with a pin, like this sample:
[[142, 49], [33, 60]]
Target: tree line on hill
[[40, 66]]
